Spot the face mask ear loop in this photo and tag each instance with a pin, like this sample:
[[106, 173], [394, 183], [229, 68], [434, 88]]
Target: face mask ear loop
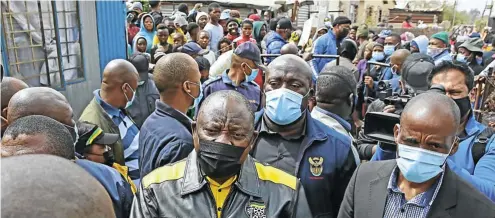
[[451, 147]]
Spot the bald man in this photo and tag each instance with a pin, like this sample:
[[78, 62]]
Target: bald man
[[289, 48], [49, 186], [38, 134], [10, 86], [108, 111], [417, 184], [42, 101], [240, 76], [219, 162], [396, 61], [166, 135], [290, 139]]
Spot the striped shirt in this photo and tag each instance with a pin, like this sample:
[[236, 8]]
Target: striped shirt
[[129, 134], [396, 205]]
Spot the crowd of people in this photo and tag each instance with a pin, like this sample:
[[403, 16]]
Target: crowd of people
[[213, 115]]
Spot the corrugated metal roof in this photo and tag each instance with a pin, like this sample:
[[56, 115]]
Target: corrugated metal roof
[[111, 31]]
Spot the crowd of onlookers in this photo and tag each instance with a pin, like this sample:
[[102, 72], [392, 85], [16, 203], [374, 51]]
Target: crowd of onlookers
[[214, 115]]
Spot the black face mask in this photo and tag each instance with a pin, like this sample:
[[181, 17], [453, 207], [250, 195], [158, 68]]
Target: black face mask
[[464, 105], [109, 158], [343, 33], [218, 160]]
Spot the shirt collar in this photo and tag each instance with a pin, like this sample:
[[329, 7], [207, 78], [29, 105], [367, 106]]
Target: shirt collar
[[226, 79], [342, 122], [422, 200], [472, 126], [226, 184], [114, 112]]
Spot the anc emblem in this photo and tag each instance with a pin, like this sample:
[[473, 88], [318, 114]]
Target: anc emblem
[[256, 209], [316, 167]]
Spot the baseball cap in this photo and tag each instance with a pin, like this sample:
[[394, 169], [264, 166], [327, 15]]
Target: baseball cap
[[249, 51], [255, 17], [141, 63], [415, 70], [90, 134], [284, 23], [225, 15], [192, 48]]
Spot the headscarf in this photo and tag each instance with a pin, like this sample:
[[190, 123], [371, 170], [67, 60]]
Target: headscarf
[[201, 14], [257, 25], [148, 35]]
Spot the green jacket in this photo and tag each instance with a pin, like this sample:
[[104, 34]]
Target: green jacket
[[95, 114]]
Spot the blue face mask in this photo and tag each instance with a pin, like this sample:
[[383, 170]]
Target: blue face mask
[[129, 102], [419, 165], [283, 106], [461, 58], [253, 75], [378, 56], [479, 60], [388, 49], [196, 99]]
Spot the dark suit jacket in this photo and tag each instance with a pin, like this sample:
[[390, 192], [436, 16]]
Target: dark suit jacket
[[367, 192]]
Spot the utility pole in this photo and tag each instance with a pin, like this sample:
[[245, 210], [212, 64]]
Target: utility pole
[[453, 17]]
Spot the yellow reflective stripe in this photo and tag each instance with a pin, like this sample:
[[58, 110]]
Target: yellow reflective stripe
[[95, 134], [165, 173], [272, 174]]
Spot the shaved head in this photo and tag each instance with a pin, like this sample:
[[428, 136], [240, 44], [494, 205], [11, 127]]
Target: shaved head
[[289, 48], [50, 186], [430, 121], [399, 56], [173, 70], [10, 86], [40, 101], [290, 63], [118, 72], [37, 135]]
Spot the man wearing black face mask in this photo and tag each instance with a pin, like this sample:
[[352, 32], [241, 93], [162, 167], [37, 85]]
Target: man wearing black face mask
[[93, 145], [329, 43], [219, 178]]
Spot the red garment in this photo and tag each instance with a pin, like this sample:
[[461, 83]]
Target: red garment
[[242, 39], [230, 37], [132, 30], [406, 25], [259, 79]]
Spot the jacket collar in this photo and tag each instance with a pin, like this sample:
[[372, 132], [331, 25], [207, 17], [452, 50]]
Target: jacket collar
[[342, 122], [226, 79], [112, 111], [248, 180], [165, 110]]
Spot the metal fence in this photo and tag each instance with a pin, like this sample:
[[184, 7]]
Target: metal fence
[[42, 37]]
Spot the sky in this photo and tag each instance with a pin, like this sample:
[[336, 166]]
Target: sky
[[471, 4]]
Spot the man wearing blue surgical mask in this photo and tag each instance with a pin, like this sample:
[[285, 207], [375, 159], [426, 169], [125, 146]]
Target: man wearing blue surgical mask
[[471, 53], [437, 47], [108, 111], [240, 77], [418, 183], [291, 140]]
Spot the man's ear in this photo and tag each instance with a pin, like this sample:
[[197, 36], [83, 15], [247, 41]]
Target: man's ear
[[396, 133], [252, 142], [186, 87], [4, 112], [195, 135], [455, 146]]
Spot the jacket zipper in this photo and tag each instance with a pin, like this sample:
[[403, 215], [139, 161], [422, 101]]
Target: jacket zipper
[[214, 201]]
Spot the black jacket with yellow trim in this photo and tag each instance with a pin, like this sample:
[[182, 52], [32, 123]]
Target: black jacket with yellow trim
[[180, 190]]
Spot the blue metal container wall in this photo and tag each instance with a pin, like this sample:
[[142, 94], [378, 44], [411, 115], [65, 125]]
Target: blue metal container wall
[[111, 31]]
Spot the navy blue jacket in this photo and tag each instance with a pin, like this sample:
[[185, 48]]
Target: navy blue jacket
[[164, 138], [250, 90], [325, 166], [117, 187]]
